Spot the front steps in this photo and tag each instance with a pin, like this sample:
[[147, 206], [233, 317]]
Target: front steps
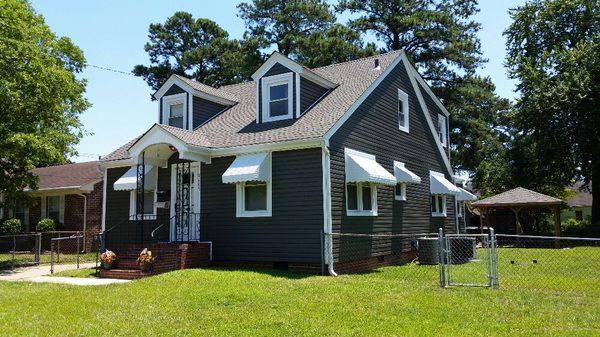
[[167, 257]]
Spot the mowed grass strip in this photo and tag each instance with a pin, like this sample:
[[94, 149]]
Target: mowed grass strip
[[401, 301]]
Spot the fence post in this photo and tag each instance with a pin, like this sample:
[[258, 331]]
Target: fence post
[[78, 237], [494, 260], [38, 247], [58, 248], [441, 258], [322, 252], [51, 256]]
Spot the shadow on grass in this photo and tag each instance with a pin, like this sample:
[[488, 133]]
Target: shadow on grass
[[292, 275]]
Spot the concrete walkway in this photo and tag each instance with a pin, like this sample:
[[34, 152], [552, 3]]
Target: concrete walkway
[[42, 274]]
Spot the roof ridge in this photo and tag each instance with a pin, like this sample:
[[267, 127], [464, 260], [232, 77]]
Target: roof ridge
[[358, 59]]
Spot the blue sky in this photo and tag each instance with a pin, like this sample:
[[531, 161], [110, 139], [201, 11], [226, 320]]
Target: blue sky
[[112, 34]]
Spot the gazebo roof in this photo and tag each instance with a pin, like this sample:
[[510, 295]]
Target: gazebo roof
[[518, 197]]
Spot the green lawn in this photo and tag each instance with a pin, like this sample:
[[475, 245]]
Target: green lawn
[[83, 272], [23, 259], [402, 301]]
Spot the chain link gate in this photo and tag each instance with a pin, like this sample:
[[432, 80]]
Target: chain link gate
[[469, 260]]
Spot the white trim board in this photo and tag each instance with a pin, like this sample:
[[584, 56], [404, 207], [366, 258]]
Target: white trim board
[[174, 80], [277, 57]]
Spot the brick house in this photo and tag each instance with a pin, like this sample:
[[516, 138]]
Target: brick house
[[69, 194]]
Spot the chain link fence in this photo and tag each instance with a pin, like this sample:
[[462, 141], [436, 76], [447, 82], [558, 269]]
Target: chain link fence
[[469, 260], [562, 264], [19, 250], [69, 250]]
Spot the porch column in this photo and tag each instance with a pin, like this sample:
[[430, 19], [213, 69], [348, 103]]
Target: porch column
[[556, 211], [139, 200]]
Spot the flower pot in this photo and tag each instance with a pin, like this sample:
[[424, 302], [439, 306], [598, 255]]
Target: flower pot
[[146, 267], [107, 265]]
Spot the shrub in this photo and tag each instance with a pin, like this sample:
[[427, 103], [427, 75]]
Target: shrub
[[10, 226], [583, 228], [46, 225]]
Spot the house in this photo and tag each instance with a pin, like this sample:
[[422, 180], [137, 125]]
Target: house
[[580, 205], [70, 194], [260, 169]]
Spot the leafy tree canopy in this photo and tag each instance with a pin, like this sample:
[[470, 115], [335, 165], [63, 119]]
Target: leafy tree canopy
[[40, 95], [553, 51]]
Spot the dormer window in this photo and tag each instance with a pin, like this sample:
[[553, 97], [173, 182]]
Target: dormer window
[[174, 110], [277, 93]]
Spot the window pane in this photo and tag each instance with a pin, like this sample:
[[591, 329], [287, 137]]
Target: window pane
[[53, 203], [366, 198], [352, 197], [256, 197], [278, 92], [401, 112], [278, 108], [176, 122], [148, 202], [176, 110], [433, 206]]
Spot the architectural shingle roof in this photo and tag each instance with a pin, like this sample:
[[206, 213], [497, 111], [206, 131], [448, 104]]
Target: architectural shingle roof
[[68, 175], [518, 197], [237, 125], [208, 89]]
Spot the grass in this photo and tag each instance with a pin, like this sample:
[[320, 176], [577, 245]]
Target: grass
[[83, 272], [24, 259], [402, 301]]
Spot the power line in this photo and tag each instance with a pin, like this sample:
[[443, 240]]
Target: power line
[[110, 69]]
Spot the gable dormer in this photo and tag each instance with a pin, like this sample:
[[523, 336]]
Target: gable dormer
[[187, 104], [286, 90]]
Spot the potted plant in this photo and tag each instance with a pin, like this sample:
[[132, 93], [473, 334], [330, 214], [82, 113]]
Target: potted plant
[[145, 260], [108, 258]]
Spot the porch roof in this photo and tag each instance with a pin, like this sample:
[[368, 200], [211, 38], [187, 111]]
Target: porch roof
[[518, 197]]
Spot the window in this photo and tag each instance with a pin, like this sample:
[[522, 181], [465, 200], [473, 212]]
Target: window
[[442, 129], [578, 215], [403, 110], [53, 208], [254, 199], [21, 214], [400, 192], [438, 205], [461, 206], [174, 110], [361, 199], [277, 97], [149, 203]]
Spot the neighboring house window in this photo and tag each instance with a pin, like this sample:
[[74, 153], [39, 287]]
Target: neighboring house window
[[277, 97], [174, 108], [403, 111], [438, 205], [53, 208], [254, 199], [578, 215], [149, 203], [361, 199], [21, 214], [400, 192], [442, 129]]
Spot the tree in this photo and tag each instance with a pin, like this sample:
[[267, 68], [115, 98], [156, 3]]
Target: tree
[[553, 51], [440, 38], [198, 49], [302, 30], [40, 95]]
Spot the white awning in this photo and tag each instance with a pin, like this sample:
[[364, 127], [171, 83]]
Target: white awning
[[438, 184], [404, 175], [362, 167], [465, 195], [128, 181], [250, 167]]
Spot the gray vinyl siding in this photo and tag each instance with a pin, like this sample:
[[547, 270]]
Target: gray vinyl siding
[[434, 111], [174, 90], [373, 128], [276, 69], [117, 202], [310, 93], [291, 234], [204, 110]]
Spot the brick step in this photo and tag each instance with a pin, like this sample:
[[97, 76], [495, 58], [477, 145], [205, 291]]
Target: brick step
[[123, 274], [126, 264]]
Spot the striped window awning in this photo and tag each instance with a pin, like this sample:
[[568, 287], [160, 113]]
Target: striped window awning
[[362, 167], [249, 167], [404, 175], [438, 184], [128, 181]]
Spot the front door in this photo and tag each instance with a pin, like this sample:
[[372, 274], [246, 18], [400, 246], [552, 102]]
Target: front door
[[185, 202]]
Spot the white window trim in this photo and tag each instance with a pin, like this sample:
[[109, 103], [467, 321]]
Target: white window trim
[[444, 130], [132, 204], [444, 211], [359, 201], [240, 202], [61, 207], [404, 97], [267, 82], [459, 211], [402, 196], [167, 101]]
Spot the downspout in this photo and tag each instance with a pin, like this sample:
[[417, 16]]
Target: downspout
[[328, 247], [84, 216], [456, 215]]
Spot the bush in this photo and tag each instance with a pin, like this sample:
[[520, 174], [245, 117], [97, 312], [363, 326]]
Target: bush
[[46, 225], [10, 226], [583, 228]]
